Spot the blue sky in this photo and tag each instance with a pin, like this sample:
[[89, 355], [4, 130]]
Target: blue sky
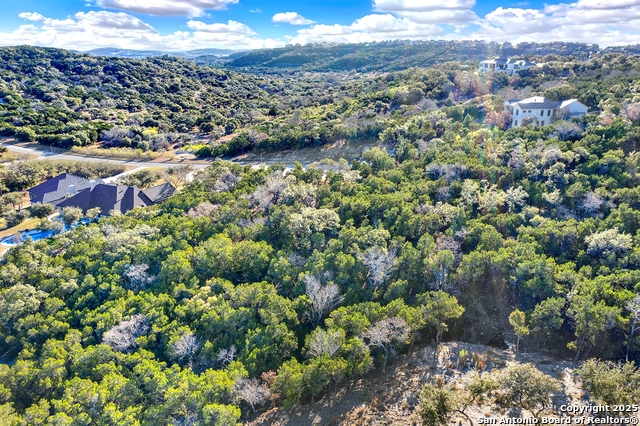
[[247, 24]]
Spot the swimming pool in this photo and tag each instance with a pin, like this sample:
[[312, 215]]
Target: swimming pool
[[12, 240]]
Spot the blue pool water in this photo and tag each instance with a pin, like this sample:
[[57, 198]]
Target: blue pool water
[[34, 235]]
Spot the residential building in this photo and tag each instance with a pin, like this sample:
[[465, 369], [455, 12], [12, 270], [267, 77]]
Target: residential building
[[540, 111], [118, 198], [57, 189], [160, 193], [501, 64]]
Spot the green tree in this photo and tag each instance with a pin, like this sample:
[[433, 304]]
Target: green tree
[[518, 321], [438, 308], [591, 319], [71, 215], [41, 210], [524, 386], [609, 383], [547, 318]]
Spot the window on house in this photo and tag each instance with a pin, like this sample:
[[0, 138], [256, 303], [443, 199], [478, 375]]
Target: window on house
[[542, 113], [542, 123], [529, 111], [517, 111], [549, 113], [516, 123]]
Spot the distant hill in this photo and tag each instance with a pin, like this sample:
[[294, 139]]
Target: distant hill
[[143, 54], [632, 49], [390, 55]]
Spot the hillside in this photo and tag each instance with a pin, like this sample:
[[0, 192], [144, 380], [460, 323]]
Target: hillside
[[291, 286], [144, 54], [394, 398], [393, 55], [71, 97]]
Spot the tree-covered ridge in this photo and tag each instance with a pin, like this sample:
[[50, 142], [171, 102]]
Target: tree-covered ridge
[[392, 55], [258, 284], [66, 99]]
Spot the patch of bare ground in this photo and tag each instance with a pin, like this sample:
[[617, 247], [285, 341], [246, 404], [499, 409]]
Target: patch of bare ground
[[392, 399], [334, 151]]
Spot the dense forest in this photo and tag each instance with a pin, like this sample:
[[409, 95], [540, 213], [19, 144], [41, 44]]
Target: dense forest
[[277, 285], [393, 55], [64, 99]]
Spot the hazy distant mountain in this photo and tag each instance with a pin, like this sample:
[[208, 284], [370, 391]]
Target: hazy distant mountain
[[142, 54]]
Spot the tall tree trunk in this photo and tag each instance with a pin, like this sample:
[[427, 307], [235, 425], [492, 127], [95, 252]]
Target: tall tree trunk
[[578, 350], [633, 331], [384, 363]]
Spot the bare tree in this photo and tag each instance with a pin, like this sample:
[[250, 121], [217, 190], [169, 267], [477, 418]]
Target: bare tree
[[276, 183], [325, 342], [565, 130], [380, 263], [203, 210], [138, 277], [226, 182], [177, 176], [631, 112], [261, 199], [226, 356], [252, 392], [633, 306], [591, 203], [123, 336], [385, 333], [185, 348], [324, 298]]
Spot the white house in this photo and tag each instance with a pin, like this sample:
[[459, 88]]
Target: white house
[[540, 111], [500, 64]]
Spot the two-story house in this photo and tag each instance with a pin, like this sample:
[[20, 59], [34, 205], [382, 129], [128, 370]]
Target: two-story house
[[540, 111], [501, 64]]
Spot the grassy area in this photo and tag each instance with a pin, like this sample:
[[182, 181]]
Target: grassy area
[[28, 224]]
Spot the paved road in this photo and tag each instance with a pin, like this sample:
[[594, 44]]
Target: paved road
[[128, 163]]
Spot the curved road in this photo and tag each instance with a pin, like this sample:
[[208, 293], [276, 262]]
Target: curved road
[[132, 163]]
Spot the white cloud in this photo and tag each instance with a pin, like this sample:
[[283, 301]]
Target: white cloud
[[256, 11], [450, 16], [231, 27], [606, 4], [586, 21], [431, 12], [90, 30], [367, 29], [31, 16], [292, 18], [190, 8], [420, 5]]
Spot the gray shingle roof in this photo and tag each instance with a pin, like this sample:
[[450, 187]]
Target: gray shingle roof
[[160, 193], [538, 105], [109, 197], [56, 189]]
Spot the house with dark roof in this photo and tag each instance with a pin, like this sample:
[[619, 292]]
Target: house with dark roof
[[57, 189], [118, 198], [540, 111], [109, 198], [160, 193]]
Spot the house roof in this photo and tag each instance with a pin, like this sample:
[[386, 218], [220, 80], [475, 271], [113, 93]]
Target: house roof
[[537, 102], [109, 197], [57, 188], [569, 102], [160, 193]]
